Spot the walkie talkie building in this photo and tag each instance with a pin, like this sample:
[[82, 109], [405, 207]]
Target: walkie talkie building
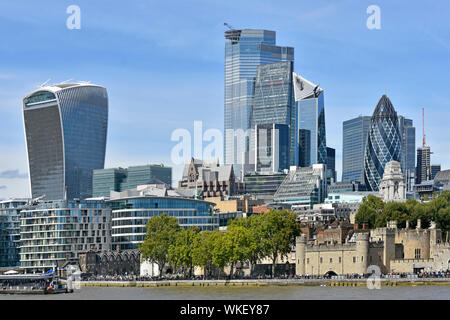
[[384, 143], [65, 130]]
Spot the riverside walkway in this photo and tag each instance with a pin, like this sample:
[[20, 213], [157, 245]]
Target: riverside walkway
[[269, 282]]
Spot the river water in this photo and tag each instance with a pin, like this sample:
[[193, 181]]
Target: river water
[[248, 293]]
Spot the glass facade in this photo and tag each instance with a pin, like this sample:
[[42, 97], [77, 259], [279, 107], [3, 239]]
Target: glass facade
[[303, 186], [384, 143], [355, 133], [10, 232], [130, 216], [263, 184], [272, 147], [245, 50], [119, 179], [65, 128], [408, 132], [309, 99], [55, 231], [274, 103]]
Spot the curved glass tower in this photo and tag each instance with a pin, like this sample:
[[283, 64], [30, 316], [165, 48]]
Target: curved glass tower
[[384, 143], [65, 130]]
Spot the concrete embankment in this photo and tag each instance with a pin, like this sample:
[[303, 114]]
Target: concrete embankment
[[267, 282]]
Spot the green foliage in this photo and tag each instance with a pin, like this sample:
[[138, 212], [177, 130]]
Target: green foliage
[[180, 253], [366, 214], [161, 234], [377, 213], [202, 251], [393, 211], [278, 230]]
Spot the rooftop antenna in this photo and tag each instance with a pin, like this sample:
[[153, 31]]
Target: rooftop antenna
[[423, 127], [44, 83]]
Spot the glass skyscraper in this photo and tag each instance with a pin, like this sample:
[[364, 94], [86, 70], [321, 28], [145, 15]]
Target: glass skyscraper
[[384, 143], [408, 132], [355, 132], [245, 50], [273, 104], [65, 129], [309, 99]]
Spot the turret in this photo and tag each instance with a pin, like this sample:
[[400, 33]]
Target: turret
[[362, 251], [300, 255]]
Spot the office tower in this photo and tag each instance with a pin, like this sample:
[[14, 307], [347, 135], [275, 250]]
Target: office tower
[[65, 129], [423, 170], [355, 133], [245, 50], [140, 175], [408, 132], [384, 143], [273, 104], [435, 168], [135, 207], [309, 100], [120, 179], [331, 165], [271, 145], [106, 180], [304, 148]]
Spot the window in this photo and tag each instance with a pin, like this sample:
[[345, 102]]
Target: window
[[354, 259], [321, 259], [340, 259], [331, 260], [417, 253]]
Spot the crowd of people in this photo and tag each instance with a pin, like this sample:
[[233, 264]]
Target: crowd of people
[[133, 277]]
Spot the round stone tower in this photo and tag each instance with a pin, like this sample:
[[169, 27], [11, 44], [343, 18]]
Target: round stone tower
[[300, 255], [362, 251]]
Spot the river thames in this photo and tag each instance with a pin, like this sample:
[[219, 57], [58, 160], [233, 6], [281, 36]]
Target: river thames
[[248, 293]]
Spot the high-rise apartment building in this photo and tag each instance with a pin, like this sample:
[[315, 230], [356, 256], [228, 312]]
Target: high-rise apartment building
[[355, 133], [53, 232], [309, 100], [423, 170], [384, 143], [65, 129], [10, 232], [245, 50]]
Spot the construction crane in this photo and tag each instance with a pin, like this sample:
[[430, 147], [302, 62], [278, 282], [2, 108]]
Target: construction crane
[[228, 26]]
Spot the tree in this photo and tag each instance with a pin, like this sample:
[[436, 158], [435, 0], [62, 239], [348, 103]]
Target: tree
[[180, 252], [222, 249], [278, 232], [374, 202], [202, 251], [366, 214], [393, 211], [161, 234]]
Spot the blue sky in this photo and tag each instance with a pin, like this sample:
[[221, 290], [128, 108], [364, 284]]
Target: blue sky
[[162, 64]]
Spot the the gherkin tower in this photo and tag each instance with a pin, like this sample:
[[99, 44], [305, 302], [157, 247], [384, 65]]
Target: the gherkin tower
[[384, 143]]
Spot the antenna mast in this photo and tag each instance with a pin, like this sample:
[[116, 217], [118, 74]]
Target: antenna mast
[[423, 127]]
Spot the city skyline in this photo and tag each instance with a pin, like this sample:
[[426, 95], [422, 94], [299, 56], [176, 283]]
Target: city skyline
[[362, 66]]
